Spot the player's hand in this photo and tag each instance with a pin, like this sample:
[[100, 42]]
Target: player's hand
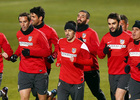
[[13, 58], [5, 55], [138, 66], [127, 69], [58, 64], [50, 59], [106, 49], [72, 59], [26, 52]]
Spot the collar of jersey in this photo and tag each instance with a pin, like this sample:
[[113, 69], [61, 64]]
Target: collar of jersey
[[136, 42], [28, 31], [117, 32], [39, 26]]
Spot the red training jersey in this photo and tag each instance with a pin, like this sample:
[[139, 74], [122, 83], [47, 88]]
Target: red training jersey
[[38, 45], [52, 39], [134, 56], [4, 44], [118, 52], [72, 72], [90, 37]]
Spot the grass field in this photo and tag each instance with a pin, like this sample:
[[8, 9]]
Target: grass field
[[57, 13]]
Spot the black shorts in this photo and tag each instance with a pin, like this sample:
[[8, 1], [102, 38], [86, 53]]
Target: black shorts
[[119, 81], [75, 90], [134, 89], [38, 81], [1, 78]]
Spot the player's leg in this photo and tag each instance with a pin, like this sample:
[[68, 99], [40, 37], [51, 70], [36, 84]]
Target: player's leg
[[77, 91], [120, 93], [122, 86], [92, 79], [4, 91], [113, 81], [63, 90], [134, 90], [42, 97], [41, 85], [25, 94], [1, 78], [25, 83]]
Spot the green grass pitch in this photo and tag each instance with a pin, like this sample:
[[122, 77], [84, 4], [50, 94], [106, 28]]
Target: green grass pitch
[[58, 12]]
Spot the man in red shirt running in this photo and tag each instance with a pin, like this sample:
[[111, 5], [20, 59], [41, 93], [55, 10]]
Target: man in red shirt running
[[134, 63], [73, 55], [37, 19], [4, 44], [90, 38], [33, 48], [114, 45]]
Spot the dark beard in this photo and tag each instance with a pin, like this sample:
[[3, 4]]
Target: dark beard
[[81, 24], [117, 32]]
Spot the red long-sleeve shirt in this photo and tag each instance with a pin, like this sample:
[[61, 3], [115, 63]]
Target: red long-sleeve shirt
[[134, 56], [4, 44], [90, 37], [118, 52], [72, 72], [52, 39], [38, 45]]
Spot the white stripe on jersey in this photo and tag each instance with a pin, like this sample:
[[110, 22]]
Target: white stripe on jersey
[[68, 55], [116, 46], [84, 46], [134, 54], [26, 44]]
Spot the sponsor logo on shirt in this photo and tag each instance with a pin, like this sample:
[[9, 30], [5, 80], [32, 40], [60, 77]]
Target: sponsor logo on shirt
[[26, 44], [73, 50], [68, 55], [116, 46], [84, 35], [122, 41], [30, 38], [136, 54]]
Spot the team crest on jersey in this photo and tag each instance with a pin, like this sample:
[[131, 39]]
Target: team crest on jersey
[[122, 41], [84, 35], [73, 50], [30, 38]]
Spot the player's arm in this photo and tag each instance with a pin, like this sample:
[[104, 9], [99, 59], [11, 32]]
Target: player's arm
[[44, 50], [100, 52], [54, 41], [7, 48], [94, 43], [58, 62]]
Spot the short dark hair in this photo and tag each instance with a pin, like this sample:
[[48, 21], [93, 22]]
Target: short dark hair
[[123, 17], [87, 13], [25, 14], [39, 11], [114, 16]]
